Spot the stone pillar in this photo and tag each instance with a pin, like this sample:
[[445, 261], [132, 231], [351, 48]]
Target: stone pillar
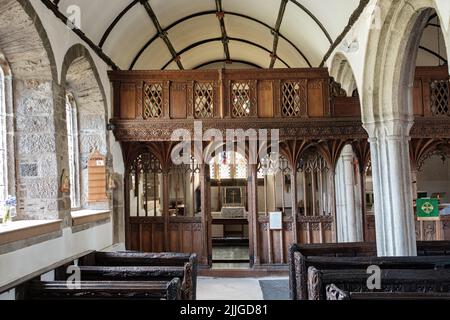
[[393, 207], [348, 202]]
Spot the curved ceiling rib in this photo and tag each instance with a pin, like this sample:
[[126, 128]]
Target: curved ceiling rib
[[203, 13], [437, 55], [115, 21], [227, 61], [201, 42], [312, 16]]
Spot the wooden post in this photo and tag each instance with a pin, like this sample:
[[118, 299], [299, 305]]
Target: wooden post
[[165, 208], [313, 187], [305, 199], [294, 204], [253, 186], [333, 204], [206, 214]]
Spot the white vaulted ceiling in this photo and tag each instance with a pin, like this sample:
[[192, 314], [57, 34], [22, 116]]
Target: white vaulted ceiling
[[126, 33]]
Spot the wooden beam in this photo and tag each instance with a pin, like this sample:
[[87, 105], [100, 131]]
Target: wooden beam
[[115, 22], [353, 18], [220, 15], [54, 8], [227, 61], [201, 42], [204, 13], [276, 32], [162, 33]]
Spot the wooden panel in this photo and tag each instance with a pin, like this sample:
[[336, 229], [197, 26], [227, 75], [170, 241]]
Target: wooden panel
[[316, 103], [418, 98], [128, 101], [178, 102], [134, 234], [345, 107], [265, 99], [146, 238]]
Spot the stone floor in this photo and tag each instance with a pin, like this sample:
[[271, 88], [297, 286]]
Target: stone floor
[[242, 288]]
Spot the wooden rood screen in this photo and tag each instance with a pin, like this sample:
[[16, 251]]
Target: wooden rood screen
[[168, 207]]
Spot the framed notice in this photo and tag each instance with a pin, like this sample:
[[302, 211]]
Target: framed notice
[[275, 221]]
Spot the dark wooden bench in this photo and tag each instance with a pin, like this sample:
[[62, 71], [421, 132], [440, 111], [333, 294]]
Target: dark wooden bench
[[104, 290], [298, 266], [392, 280], [146, 259], [334, 293], [139, 273], [340, 263]]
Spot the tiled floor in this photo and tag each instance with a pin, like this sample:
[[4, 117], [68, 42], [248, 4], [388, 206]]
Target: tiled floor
[[242, 288]]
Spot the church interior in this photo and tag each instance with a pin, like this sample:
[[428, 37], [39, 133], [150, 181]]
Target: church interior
[[224, 149]]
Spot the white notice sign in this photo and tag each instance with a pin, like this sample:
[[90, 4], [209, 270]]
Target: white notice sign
[[276, 221]]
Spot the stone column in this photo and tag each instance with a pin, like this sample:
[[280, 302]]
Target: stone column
[[348, 206], [393, 207]]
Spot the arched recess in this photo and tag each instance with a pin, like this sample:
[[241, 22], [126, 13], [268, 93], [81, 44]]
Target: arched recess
[[80, 78], [27, 50], [342, 73], [387, 112]]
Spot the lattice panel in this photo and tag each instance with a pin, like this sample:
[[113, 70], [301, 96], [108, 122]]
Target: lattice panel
[[439, 98], [294, 96], [153, 101], [240, 99], [204, 99]]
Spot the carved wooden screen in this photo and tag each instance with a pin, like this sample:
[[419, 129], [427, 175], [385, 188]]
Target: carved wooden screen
[[145, 181], [240, 99], [316, 188], [204, 99], [439, 98], [294, 98], [153, 100]]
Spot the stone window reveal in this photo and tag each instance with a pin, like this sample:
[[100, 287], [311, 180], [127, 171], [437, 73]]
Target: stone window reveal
[[73, 150], [3, 145]]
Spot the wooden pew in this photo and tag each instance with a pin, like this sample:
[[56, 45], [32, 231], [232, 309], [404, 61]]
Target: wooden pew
[[341, 263], [297, 268], [104, 290], [392, 280], [336, 294], [139, 273], [146, 259]]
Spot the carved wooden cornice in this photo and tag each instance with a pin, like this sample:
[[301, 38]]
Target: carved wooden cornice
[[290, 128]]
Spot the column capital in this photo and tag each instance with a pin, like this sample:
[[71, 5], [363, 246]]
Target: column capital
[[390, 128]]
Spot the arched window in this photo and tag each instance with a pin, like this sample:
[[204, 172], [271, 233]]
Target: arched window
[[3, 145], [73, 150], [228, 165]]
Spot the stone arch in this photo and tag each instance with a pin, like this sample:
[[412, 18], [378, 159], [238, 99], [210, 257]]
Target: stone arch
[[387, 114], [391, 57], [342, 72], [80, 78], [34, 110]]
